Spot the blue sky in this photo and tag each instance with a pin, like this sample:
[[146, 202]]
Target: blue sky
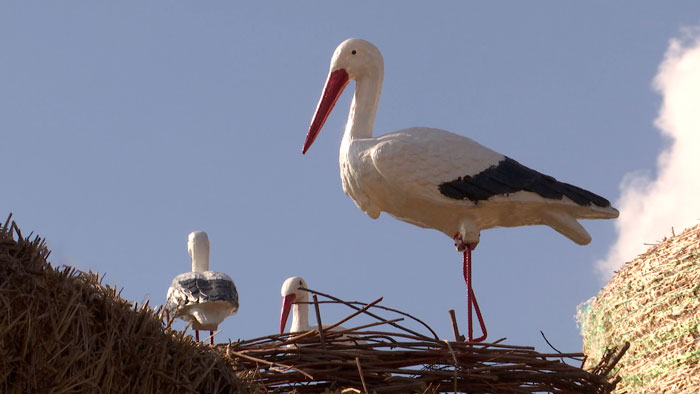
[[125, 126]]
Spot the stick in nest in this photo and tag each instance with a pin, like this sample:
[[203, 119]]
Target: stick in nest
[[404, 360]]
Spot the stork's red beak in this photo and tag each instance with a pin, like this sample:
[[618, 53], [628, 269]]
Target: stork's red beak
[[286, 307], [337, 81]]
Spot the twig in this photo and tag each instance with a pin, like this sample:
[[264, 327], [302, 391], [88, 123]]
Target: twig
[[454, 358], [548, 343], [362, 377], [375, 316], [386, 308], [378, 323], [615, 359], [455, 328], [353, 314], [296, 338], [320, 324], [7, 223], [259, 360]]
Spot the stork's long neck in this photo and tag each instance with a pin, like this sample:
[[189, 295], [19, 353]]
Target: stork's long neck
[[300, 317], [363, 109], [200, 259]]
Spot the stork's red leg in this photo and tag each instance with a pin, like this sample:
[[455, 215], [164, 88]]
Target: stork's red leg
[[471, 298], [196, 335], [211, 337]]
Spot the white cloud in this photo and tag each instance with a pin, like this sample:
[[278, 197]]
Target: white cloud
[[650, 207]]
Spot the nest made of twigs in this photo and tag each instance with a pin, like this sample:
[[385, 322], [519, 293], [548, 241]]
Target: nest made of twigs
[[653, 302], [370, 358]]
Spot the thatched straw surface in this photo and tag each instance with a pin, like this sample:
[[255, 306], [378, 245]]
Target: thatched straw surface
[[654, 303], [62, 331]]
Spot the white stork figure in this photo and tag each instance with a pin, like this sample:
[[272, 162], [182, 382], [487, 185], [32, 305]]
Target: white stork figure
[[436, 179], [296, 300], [204, 298]]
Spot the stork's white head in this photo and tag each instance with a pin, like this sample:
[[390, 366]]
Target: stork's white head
[[354, 59], [198, 248], [291, 293], [358, 58]]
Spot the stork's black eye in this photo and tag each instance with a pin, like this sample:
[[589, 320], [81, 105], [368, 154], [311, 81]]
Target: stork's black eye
[[354, 52]]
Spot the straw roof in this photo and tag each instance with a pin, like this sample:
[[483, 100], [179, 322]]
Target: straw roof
[[654, 303], [62, 331]]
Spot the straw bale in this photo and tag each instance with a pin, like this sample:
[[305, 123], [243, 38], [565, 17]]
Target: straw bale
[[62, 331], [653, 302]]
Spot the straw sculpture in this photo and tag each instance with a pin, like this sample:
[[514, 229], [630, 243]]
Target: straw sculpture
[[653, 303], [62, 331], [371, 358]]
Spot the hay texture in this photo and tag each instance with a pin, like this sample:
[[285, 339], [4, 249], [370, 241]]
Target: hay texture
[[653, 303], [62, 331]]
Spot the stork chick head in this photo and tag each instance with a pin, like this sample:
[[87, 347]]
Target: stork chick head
[[291, 293]]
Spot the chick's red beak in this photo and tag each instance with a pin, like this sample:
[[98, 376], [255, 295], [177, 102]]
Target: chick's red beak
[[286, 307], [337, 81]]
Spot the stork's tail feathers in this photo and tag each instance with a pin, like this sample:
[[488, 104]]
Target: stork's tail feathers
[[568, 226], [609, 213]]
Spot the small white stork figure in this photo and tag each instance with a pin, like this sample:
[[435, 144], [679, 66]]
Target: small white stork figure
[[204, 298], [436, 179], [296, 300]]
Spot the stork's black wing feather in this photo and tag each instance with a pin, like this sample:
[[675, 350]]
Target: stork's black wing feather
[[509, 176], [197, 287]]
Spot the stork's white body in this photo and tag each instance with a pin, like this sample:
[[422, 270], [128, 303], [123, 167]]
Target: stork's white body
[[205, 308], [407, 173], [202, 297], [400, 174]]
